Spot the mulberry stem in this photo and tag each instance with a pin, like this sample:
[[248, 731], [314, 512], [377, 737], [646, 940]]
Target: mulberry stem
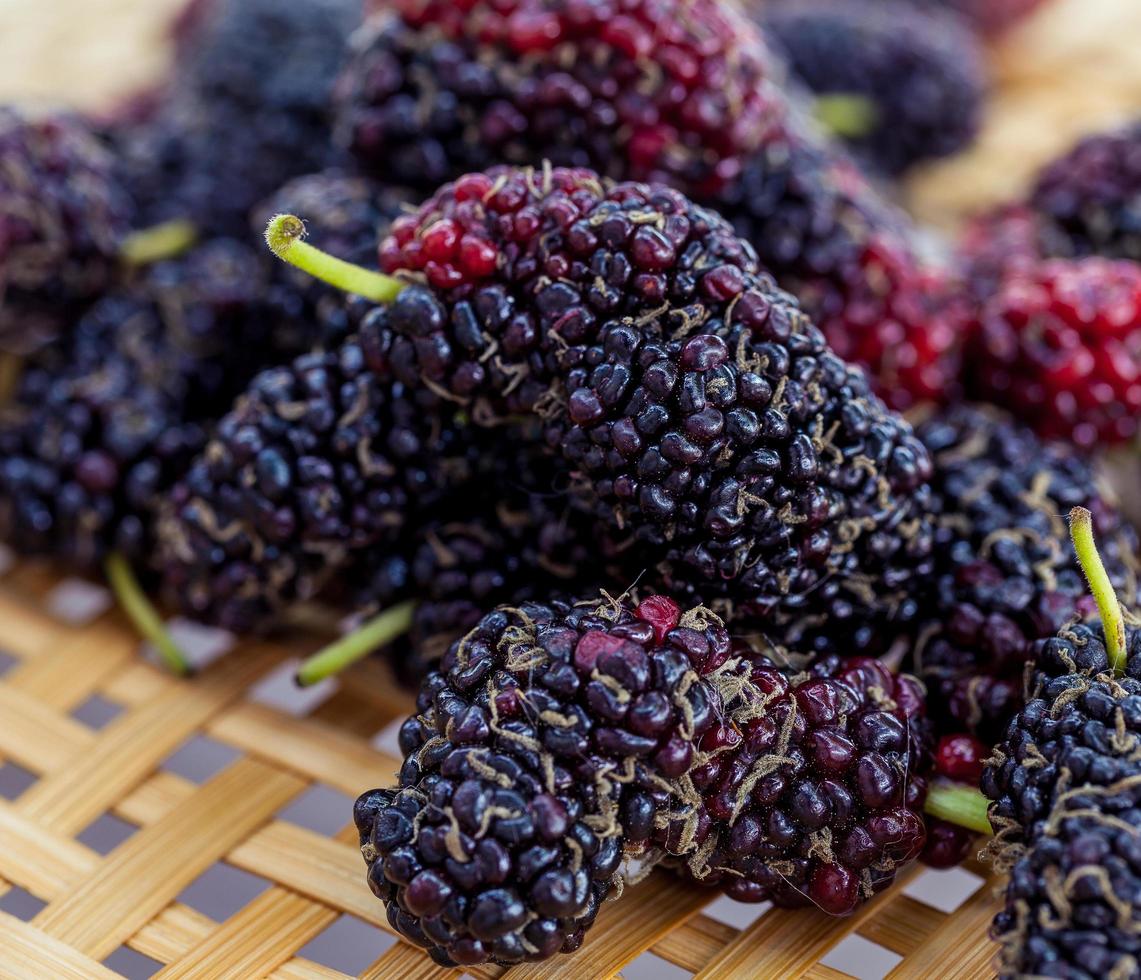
[[958, 804], [11, 367], [845, 114], [284, 235], [139, 610], [1112, 620], [357, 645], [165, 241]]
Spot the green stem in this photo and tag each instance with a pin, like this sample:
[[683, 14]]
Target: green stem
[[337, 656], [284, 235], [143, 614], [845, 113], [165, 241], [959, 804], [1112, 620]]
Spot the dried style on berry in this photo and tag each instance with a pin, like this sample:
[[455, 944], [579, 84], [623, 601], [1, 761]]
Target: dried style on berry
[[899, 85], [98, 430], [62, 217], [695, 404], [647, 90], [1005, 578]]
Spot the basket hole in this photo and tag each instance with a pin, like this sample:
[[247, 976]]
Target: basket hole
[[279, 690], [387, 740], [97, 712], [861, 958], [106, 833], [222, 890], [7, 662], [944, 890], [131, 964], [14, 780], [651, 967], [23, 905], [199, 758], [739, 915], [320, 808], [77, 602], [348, 945], [201, 644]]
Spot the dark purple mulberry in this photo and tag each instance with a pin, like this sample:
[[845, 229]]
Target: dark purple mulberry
[[538, 759], [62, 217], [665, 90], [319, 460], [1005, 578], [695, 404], [899, 85]]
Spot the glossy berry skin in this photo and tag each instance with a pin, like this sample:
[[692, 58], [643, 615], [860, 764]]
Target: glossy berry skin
[[62, 216], [646, 90], [237, 119], [317, 461], [696, 406], [1071, 902], [508, 829], [920, 74], [821, 798], [102, 425], [960, 758], [948, 845], [1059, 345], [1005, 575]]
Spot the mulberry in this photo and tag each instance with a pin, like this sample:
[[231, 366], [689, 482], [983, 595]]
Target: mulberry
[[658, 90], [63, 215], [1059, 345], [1089, 201], [899, 85], [694, 403], [1003, 579], [318, 460]]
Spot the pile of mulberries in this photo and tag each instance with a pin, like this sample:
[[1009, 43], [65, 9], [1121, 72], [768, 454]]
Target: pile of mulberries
[[560, 741], [899, 85], [238, 119], [695, 404], [1005, 576], [63, 215]]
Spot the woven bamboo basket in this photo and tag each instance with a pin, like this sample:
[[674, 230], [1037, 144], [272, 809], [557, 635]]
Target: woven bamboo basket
[[106, 837]]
